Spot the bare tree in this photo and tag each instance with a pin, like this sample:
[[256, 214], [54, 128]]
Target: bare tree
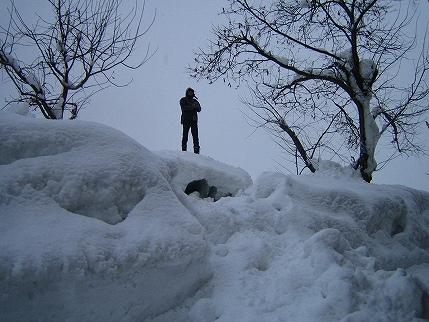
[[74, 54], [325, 75]]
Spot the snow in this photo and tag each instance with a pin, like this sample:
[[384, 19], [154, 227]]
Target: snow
[[11, 61], [304, 3], [22, 108], [284, 60], [347, 55], [32, 80], [94, 226], [58, 107], [30, 77], [188, 167]]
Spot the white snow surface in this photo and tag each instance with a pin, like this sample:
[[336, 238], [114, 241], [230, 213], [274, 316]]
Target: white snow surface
[[95, 227]]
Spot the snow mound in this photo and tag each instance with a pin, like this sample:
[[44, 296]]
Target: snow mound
[[325, 247], [95, 227], [82, 171], [189, 167], [89, 226]]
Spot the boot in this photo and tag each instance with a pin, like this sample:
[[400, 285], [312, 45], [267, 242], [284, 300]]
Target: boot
[[183, 147], [196, 149]]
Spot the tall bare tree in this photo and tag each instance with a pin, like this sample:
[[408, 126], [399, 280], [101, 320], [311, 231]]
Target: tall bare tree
[[73, 54], [326, 76]]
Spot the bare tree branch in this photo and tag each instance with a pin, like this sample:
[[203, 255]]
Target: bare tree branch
[[325, 73], [76, 52]]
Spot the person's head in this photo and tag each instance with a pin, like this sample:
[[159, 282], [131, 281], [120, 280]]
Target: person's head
[[190, 92]]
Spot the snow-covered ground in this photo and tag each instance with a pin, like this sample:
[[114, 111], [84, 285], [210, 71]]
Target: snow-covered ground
[[94, 227]]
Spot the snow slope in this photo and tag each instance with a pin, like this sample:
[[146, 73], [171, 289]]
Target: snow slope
[[94, 227]]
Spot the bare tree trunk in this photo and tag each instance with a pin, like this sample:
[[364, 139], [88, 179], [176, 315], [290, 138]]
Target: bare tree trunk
[[298, 146]]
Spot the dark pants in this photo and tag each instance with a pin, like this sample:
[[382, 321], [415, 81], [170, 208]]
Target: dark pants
[[190, 124]]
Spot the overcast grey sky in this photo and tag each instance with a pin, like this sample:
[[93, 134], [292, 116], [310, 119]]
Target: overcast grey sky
[[148, 109]]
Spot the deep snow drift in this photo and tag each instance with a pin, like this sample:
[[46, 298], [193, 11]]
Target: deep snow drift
[[93, 226]]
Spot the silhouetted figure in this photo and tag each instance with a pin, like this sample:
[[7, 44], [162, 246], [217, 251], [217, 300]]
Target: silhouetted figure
[[190, 107]]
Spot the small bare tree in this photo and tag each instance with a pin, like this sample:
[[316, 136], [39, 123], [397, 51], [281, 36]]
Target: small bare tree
[[325, 76], [73, 55]]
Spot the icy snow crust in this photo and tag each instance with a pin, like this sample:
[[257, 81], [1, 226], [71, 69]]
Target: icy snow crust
[[95, 227]]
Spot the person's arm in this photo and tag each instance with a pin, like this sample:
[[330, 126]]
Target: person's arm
[[185, 106], [196, 105]]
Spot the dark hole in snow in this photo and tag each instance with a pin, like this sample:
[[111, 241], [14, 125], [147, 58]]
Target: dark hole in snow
[[398, 226], [425, 306], [202, 187]]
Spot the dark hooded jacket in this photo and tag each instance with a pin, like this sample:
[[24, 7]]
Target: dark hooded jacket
[[187, 104]]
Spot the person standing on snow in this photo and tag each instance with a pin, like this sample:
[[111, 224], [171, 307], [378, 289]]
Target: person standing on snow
[[190, 107]]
